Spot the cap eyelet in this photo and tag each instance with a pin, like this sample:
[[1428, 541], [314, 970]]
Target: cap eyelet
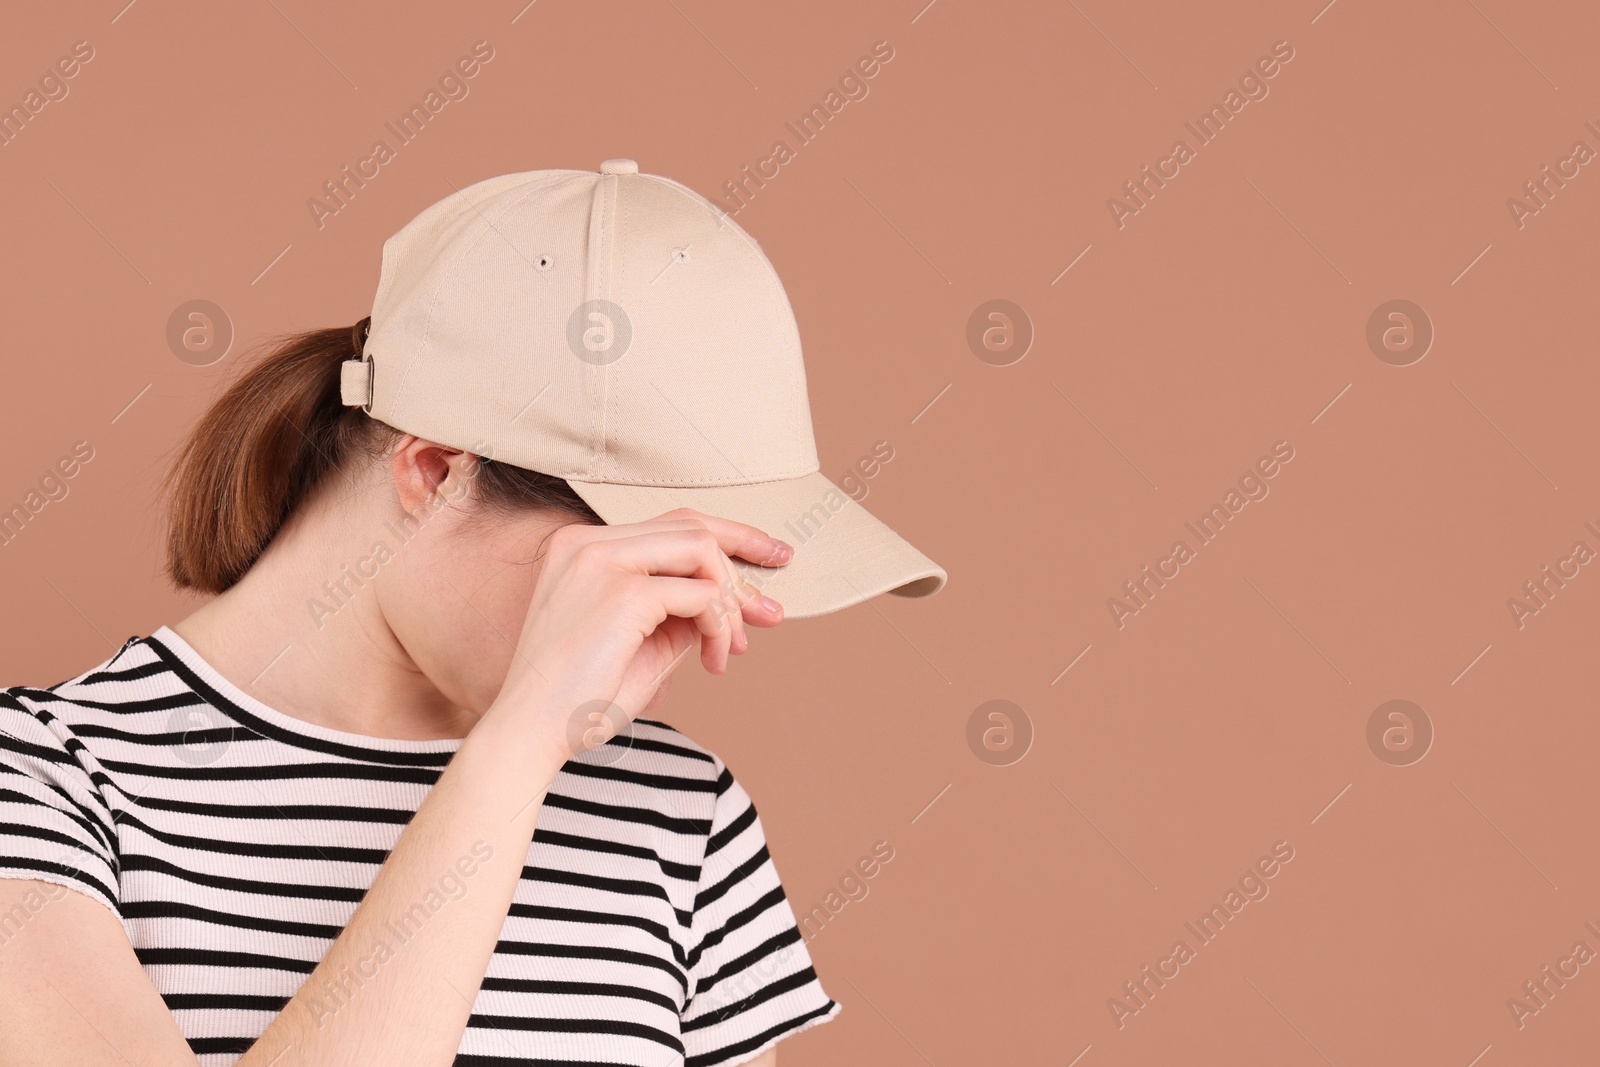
[[545, 261]]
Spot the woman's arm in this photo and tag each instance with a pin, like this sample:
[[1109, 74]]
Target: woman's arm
[[479, 817], [72, 991], [613, 611]]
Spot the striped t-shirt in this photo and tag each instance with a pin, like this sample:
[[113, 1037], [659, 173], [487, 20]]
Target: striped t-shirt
[[234, 843]]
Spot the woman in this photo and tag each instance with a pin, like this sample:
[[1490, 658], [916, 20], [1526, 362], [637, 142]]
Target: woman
[[389, 797]]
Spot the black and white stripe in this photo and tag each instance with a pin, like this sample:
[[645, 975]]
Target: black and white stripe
[[234, 843]]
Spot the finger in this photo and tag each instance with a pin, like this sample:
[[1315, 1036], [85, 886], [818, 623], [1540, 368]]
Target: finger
[[688, 553], [759, 608], [748, 543], [733, 598], [745, 600], [734, 538], [700, 601], [742, 540]]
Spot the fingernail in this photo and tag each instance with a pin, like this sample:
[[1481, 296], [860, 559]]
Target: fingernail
[[782, 551], [768, 604]]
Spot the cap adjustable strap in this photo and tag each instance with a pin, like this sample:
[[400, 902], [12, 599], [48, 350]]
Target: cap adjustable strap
[[355, 383]]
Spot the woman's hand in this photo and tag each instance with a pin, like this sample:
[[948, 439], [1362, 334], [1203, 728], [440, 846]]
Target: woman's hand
[[616, 608]]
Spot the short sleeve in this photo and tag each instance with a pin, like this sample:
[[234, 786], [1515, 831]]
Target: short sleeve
[[751, 978], [54, 825]]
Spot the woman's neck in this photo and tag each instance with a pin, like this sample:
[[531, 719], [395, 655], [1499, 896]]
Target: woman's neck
[[304, 632]]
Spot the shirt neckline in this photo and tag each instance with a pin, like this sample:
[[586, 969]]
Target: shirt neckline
[[246, 707]]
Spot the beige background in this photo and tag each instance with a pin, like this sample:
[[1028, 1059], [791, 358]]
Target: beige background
[[1228, 314]]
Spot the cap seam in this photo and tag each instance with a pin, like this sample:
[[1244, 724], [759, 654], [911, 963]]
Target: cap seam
[[593, 288], [689, 484], [615, 370]]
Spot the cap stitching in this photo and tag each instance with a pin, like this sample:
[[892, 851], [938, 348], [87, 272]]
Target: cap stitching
[[598, 214], [608, 389], [615, 384], [688, 483]]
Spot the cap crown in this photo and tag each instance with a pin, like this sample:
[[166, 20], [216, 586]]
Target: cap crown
[[602, 327]]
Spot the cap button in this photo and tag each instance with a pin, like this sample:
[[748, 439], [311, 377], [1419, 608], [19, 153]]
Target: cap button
[[619, 166]]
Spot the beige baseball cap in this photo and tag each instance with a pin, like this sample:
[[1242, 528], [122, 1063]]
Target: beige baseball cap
[[619, 331]]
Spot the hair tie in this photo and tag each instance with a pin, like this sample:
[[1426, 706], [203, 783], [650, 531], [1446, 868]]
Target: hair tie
[[358, 335]]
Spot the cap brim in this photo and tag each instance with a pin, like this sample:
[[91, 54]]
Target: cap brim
[[842, 553]]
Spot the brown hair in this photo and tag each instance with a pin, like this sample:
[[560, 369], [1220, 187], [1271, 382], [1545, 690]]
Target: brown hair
[[272, 437]]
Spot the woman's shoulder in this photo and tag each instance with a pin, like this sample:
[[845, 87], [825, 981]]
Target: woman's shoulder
[[87, 696], [661, 775], [657, 754], [129, 709], [654, 736]]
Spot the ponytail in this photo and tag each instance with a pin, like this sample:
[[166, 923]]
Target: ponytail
[[277, 431]]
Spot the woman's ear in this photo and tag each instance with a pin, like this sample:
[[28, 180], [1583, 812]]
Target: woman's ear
[[425, 472]]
